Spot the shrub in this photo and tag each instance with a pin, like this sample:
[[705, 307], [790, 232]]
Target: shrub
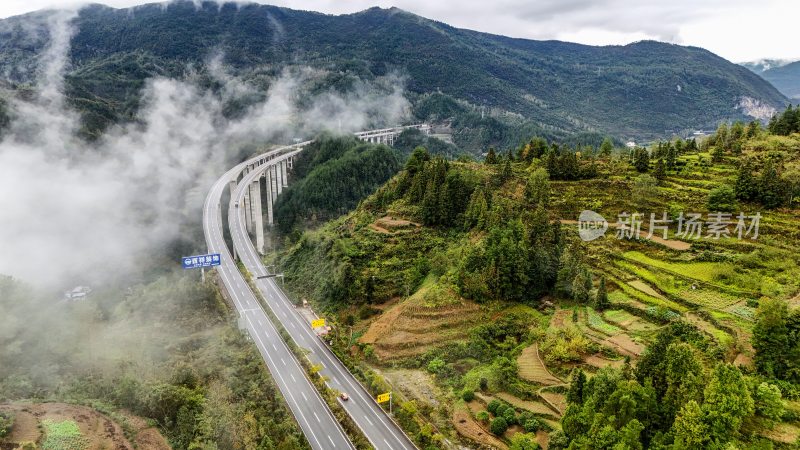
[[483, 416], [498, 426], [436, 365], [493, 405], [501, 410], [722, 198], [468, 395], [6, 422], [510, 415], [531, 425]]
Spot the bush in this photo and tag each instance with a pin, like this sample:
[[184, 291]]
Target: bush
[[722, 198], [483, 416], [493, 405], [531, 425], [6, 422], [510, 415], [498, 426], [501, 410], [436, 365], [468, 395], [484, 383]]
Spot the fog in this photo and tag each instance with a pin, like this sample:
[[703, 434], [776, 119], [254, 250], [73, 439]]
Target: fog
[[73, 212]]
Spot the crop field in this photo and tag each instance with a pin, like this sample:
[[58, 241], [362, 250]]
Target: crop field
[[596, 322], [63, 435]]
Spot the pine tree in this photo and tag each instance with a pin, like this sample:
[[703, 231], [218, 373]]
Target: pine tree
[[477, 210], [660, 171], [606, 147], [641, 159], [746, 187], [771, 187], [718, 154], [601, 298], [672, 157], [576, 385], [491, 157], [771, 338]]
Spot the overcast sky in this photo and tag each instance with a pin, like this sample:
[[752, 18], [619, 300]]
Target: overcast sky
[[739, 30]]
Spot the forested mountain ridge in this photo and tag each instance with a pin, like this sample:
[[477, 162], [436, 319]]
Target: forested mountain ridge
[[641, 90]]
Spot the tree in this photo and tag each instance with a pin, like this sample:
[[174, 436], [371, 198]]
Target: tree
[[746, 187], [493, 405], [684, 377], [601, 297], [771, 187], [477, 210], [727, 402], [523, 441], [417, 160], [722, 198], [576, 385], [690, 429], [582, 285], [606, 147], [468, 395], [641, 159], [498, 426], [537, 189], [645, 190], [491, 157], [660, 171], [768, 401], [771, 338]]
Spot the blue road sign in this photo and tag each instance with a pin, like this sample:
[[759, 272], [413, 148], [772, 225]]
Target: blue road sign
[[198, 261]]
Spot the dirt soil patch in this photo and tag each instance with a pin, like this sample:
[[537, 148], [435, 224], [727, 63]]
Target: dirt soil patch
[[472, 430], [600, 362], [416, 384], [101, 432], [532, 368], [409, 329]]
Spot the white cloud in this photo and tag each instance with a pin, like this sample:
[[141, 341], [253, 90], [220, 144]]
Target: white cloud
[[75, 212]]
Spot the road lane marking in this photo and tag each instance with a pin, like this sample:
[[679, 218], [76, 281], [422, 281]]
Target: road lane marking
[[329, 438], [315, 415], [304, 396]]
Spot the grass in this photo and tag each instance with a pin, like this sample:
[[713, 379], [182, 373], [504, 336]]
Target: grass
[[702, 271], [596, 322], [63, 435]]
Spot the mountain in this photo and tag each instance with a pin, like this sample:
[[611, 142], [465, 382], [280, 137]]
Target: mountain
[[786, 79], [495, 88], [762, 65]]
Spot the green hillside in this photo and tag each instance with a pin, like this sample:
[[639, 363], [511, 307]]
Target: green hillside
[[497, 89], [466, 287]]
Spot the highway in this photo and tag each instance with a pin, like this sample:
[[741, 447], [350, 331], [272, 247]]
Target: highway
[[376, 425], [319, 426]]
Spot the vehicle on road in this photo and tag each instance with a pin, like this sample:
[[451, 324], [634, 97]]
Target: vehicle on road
[[344, 396]]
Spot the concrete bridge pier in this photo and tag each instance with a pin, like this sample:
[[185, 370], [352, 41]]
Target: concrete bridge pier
[[248, 211], [284, 178], [255, 201], [270, 197]]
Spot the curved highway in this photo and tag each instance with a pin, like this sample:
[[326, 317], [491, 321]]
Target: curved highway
[[319, 426], [376, 425], [315, 419]]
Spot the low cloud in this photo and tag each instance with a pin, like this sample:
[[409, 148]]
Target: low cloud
[[74, 212]]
